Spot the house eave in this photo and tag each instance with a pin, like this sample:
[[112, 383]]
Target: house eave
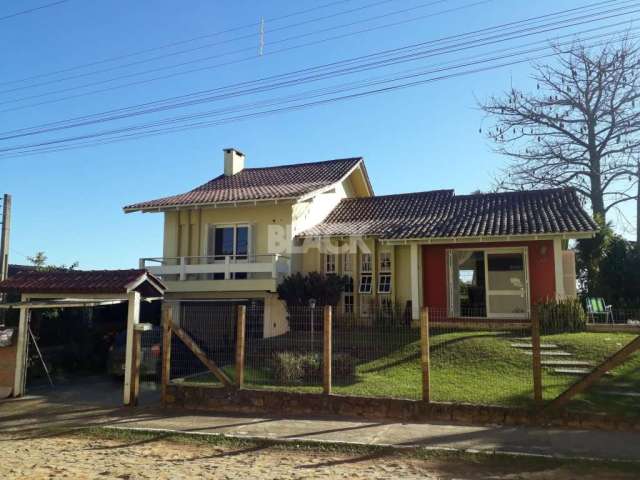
[[194, 206], [476, 239]]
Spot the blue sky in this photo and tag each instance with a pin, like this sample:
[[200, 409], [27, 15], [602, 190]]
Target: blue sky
[[69, 203]]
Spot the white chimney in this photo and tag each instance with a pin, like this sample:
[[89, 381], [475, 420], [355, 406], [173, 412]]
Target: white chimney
[[233, 161]]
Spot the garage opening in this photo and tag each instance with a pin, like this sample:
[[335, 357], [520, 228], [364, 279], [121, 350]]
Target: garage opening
[[78, 355], [88, 337]]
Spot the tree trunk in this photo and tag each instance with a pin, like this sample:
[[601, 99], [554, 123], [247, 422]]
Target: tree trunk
[[638, 209], [597, 199]]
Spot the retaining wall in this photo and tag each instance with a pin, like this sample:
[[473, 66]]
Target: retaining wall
[[263, 402]]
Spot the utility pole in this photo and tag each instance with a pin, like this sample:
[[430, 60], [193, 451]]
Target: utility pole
[[4, 236]]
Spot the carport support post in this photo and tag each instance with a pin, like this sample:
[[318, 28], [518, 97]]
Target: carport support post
[[133, 318], [21, 353]]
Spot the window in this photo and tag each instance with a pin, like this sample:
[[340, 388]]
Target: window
[[365, 263], [384, 283], [365, 283], [329, 263], [385, 261], [228, 241], [347, 263], [348, 303], [384, 277]]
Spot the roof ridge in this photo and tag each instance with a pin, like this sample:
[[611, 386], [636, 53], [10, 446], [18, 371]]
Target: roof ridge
[[404, 194], [518, 192], [294, 165]]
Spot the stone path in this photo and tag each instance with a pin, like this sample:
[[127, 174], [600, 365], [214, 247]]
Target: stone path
[[563, 366]]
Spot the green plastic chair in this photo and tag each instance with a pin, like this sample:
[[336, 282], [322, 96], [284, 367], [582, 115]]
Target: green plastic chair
[[597, 308]]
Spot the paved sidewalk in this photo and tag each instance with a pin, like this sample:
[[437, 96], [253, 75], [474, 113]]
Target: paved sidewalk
[[31, 417]]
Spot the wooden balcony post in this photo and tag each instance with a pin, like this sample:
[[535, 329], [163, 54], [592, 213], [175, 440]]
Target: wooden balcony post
[[327, 351], [424, 354], [241, 323], [183, 268], [274, 266], [227, 267], [167, 321]]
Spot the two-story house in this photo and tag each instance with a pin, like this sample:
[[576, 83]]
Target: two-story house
[[234, 238]]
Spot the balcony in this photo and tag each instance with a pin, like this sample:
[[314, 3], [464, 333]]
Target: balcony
[[228, 273]]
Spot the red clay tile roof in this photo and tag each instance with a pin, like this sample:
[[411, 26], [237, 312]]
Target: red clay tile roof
[[442, 214], [74, 281], [287, 181]]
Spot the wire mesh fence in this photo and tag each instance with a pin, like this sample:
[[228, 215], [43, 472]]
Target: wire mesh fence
[[212, 327], [378, 354], [292, 361], [472, 359], [480, 361], [573, 346]]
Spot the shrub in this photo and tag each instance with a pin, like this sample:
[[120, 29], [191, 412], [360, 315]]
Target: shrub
[[343, 367], [558, 316], [292, 368]]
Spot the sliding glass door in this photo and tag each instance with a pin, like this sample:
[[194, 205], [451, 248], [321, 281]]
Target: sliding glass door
[[228, 241], [507, 292], [488, 283]]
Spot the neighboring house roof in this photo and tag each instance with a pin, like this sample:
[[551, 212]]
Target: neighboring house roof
[[82, 282], [287, 181], [442, 214], [15, 269]]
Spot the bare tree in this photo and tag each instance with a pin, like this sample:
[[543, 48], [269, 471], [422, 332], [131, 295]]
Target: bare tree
[[577, 129]]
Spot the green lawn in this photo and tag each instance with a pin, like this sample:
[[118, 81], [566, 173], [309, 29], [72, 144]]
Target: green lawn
[[477, 367]]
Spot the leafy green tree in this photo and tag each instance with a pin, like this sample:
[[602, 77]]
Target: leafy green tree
[[39, 260]]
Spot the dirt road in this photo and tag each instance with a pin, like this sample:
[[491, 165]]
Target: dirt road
[[81, 457]]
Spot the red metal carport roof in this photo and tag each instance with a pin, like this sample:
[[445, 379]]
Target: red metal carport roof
[[84, 282]]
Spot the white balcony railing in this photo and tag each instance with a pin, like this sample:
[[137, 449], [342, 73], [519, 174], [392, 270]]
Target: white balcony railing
[[219, 267]]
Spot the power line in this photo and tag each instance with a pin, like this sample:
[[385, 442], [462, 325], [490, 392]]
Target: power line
[[477, 66], [172, 44], [34, 9], [164, 77], [210, 57], [376, 60]]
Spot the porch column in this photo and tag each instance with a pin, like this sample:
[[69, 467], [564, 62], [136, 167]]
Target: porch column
[[415, 281], [133, 318], [558, 268], [21, 352]]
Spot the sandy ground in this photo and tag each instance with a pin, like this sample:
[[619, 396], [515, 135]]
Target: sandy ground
[[87, 457]]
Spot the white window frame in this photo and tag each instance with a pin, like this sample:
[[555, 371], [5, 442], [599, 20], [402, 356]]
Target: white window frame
[[211, 227], [368, 264], [362, 283], [347, 263], [330, 259], [386, 284], [384, 260]]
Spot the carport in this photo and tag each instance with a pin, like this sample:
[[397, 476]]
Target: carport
[[82, 289]]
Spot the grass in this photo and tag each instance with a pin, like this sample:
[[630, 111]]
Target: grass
[[478, 367]]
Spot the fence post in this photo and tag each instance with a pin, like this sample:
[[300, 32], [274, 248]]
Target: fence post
[[241, 324], [536, 357], [424, 354], [167, 321], [327, 354]]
